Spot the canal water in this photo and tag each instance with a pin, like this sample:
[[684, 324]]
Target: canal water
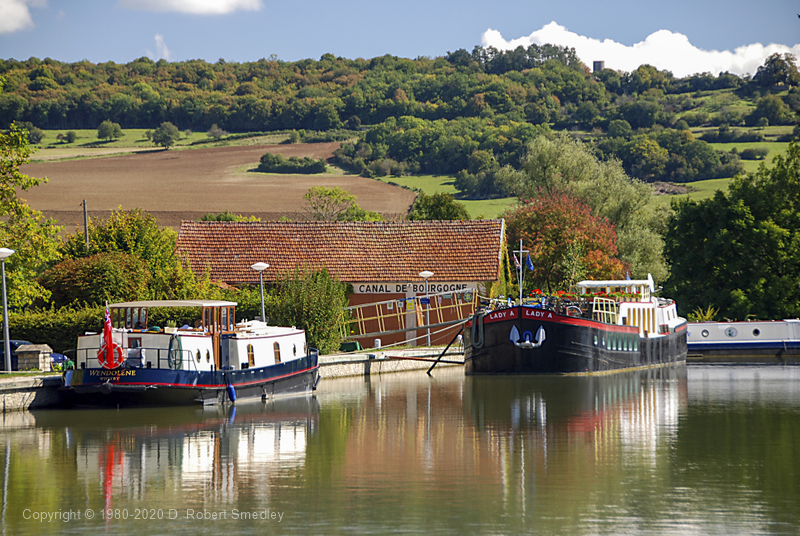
[[684, 450]]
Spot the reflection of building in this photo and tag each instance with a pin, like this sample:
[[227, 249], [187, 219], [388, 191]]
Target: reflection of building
[[381, 260]]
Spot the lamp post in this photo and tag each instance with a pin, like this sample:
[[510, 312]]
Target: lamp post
[[4, 254], [425, 275], [260, 267]]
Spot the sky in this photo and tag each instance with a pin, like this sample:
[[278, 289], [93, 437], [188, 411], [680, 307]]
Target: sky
[[682, 36]]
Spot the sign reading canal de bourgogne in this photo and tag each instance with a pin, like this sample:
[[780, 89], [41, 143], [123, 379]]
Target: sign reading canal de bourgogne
[[413, 288]]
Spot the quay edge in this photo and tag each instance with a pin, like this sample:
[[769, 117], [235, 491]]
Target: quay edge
[[39, 392]]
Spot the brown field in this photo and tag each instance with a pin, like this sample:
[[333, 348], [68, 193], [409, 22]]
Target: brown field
[[180, 185]]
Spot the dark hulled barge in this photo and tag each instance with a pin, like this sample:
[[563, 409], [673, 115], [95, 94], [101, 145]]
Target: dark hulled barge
[[609, 326]]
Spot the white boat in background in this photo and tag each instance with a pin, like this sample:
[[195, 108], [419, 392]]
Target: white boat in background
[[766, 341]]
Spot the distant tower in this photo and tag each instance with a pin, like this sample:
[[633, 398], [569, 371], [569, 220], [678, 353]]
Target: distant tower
[[598, 66]]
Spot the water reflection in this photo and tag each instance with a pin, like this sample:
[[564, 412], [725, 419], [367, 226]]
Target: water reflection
[[172, 458], [675, 450]]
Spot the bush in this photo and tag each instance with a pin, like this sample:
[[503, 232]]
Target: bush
[[754, 153], [275, 163], [58, 328]]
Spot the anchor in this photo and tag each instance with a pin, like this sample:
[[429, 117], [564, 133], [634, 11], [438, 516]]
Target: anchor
[[526, 344]]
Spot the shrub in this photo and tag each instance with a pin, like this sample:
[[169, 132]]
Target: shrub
[[110, 276], [275, 163], [58, 328]]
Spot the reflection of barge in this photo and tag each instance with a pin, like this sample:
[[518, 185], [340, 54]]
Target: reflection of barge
[[216, 361], [742, 342], [611, 326]]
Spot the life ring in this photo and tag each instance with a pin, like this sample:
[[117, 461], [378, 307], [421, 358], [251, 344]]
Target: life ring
[[117, 356]]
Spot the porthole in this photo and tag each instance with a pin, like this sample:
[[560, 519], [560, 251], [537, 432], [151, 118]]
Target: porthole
[[197, 356], [731, 332], [756, 333], [294, 350], [208, 356], [704, 333]]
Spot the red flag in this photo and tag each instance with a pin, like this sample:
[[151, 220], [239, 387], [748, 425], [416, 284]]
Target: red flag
[[109, 343]]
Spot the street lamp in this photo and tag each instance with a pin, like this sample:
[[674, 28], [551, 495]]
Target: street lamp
[[260, 267], [425, 275], [4, 254]]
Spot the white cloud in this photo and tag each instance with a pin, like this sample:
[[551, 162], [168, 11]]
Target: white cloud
[[196, 7], [663, 49], [162, 52], [15, 15]]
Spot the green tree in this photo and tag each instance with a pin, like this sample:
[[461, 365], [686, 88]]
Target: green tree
[[108, 130], [311, 300], [335, 204], [777, 70], [740, 250], [137, 233], [111, 276], [216, 132], [33, 237], [563, 164], [227, 216], [439, 206], [773, 109], [166, 135]]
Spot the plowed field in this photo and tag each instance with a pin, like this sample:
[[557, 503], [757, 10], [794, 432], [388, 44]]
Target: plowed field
[[180, 185]]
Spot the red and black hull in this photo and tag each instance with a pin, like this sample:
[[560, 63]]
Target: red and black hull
[[569, 345], [126, 387]]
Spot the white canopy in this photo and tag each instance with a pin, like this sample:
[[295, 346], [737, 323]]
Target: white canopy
[[172, 303], [620, 283]]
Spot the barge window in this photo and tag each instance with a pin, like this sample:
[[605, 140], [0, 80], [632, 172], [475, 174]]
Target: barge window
[[251, 357], [277, 350], [198, 356]]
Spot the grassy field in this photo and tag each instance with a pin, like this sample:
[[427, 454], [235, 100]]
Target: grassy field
[[87, 143], [431, 184]]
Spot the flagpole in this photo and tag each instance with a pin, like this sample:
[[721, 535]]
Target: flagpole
[[520, 271]]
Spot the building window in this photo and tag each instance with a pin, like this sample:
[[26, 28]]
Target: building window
[[277, 350]]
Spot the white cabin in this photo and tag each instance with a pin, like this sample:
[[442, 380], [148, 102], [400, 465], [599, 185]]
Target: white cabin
[[216, 342], [630, 302]]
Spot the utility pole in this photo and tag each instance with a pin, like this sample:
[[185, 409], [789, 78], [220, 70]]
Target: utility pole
[[85, 225]]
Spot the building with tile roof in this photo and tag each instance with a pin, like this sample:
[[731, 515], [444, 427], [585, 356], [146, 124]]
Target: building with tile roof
[[382, 260]]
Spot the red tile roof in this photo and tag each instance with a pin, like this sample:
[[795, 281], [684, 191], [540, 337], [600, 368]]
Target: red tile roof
[[353, 251]]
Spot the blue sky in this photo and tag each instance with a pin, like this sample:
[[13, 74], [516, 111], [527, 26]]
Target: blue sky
[[684, 36]]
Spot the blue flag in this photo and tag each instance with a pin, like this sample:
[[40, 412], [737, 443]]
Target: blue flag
[[529, 263]]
